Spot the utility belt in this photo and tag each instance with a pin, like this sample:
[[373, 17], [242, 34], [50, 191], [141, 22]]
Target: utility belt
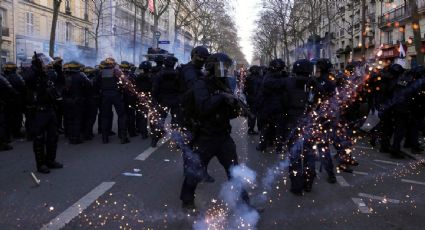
[[43, 108]]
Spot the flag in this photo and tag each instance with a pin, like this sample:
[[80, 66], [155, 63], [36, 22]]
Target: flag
[[401, 51], [151, 6]]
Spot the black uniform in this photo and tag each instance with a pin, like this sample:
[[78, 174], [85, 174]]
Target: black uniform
[[388, 84], [92, 104], [270, 109], [144, 86], [44, 125], [130, 102], [251, 88], [77, 86], [112, 96], [165, 92], [213, 135], [6, 92], [321, 89], [15, 108], [59, 85]]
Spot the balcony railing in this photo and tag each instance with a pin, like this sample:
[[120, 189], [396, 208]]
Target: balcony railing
[[5, 32], [398, 14], [394, 15]]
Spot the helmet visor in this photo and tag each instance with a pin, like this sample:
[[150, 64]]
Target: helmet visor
[[224, 69]]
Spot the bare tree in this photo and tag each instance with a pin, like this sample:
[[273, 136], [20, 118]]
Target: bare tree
[[142, 5], [160, 7], [98, 8], [56, 7]]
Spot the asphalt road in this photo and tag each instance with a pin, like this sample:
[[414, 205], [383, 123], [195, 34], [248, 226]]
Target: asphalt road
[[91, 191]]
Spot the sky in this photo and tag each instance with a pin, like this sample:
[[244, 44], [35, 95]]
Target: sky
[[246, 11]]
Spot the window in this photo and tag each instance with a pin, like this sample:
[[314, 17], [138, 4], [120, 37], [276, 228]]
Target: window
[[86, 10], [67, 7], [68, 31], [3, 14], [389, 36], [86, 37], [29, 23]]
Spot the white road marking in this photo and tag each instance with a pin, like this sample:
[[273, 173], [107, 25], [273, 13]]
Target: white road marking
[[413, 182], [363, 147], [388, 162], [360, 173], [143, 156], [361, 205], [132, 174], [66, 216], [380, 198], [341, 181]]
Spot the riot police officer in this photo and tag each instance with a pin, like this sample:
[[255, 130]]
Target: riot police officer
[[216, 107], [57, 67], [302, 163], [390, 77], [44, 125], [165, 94], [144, 87], [16, 104], [74, 94], [6, 91], [130, 100], [92, 103], [270, 106], [322, 87], [190, 73], [159, 61], [112, 96], [251, 88]]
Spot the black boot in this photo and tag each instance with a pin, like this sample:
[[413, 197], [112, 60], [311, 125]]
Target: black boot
[[54, 165], [43, 169], [125, 140], [251, 132], [154, 142], [5, 147], [331, 178], [105, 139], [40, 158]]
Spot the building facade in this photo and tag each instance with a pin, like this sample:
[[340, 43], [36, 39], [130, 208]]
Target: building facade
[[7, 49], [123, 37], [339, 38], [33, 20]]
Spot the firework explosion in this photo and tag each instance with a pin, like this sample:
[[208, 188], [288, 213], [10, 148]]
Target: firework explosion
[[315, 127]]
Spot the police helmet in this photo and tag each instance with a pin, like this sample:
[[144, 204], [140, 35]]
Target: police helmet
[[145, 66], [419, 72], [277, 65], [219, 65], [324, 65], [109, 62], [89, 70], [57, 61], [200, 52], [302, 67], [159, 60], [40, 58], [396, 69], [125, 65], [170, 61], [255, 69], [9, 67], [72, 66]]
